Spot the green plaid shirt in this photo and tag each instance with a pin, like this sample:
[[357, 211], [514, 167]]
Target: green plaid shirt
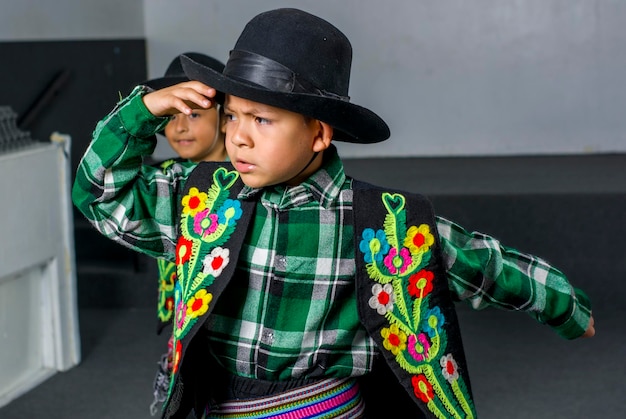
[[295, 313], [290, 309]]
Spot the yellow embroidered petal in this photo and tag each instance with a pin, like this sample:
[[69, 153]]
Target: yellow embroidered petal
[[194, 202], [419, 239], [199, 303]]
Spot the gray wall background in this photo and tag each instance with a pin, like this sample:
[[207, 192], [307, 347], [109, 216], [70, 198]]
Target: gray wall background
[[452, 78], [39, 20]]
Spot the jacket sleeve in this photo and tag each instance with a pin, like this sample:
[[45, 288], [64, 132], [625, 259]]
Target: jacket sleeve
[[125, 200], [483, 272]]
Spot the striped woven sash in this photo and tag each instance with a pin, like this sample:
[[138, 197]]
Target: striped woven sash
[[330, 398]]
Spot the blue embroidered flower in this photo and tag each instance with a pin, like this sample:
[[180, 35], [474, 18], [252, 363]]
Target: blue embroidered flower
[[180, 306], [374, 242], [433, 322], [231, 210]]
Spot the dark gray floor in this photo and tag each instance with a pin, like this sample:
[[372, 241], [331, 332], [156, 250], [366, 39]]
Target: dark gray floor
[[114, 380], [519, 369], [569, 209]]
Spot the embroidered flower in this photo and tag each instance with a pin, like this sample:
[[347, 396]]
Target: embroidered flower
[[199, 303], [433, 321], [183, 250], [231, 210], [204, 223], [418, 347], [394, 339], [449, 368], [167, 283], [419, 239], [169, 303], [170, 352], [181, 311], [177, 355], [215, 262], [373, 244], [194, 202], [172, 278], [397, 262], [166, 297], [382, 299], [421, 283], [422, 388]]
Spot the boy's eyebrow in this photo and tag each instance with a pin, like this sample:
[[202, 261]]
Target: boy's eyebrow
[[252, 110]]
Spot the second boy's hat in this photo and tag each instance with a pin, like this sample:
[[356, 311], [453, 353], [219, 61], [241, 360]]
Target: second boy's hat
[[175, 73], [294, 60]]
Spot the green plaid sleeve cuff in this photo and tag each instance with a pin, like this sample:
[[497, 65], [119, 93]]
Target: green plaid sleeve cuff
[[132, 109], [578, 321]]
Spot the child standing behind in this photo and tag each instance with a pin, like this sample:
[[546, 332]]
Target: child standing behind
[[196, 137], [302, 292]]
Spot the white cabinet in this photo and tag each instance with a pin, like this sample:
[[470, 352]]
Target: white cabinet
[[39, 332]]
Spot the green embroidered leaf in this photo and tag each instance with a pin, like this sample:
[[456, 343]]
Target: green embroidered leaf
[[197, 282], [377, 275], [400, 305]]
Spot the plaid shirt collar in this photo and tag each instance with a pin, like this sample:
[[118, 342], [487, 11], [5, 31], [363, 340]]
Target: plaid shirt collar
[[323, 187]]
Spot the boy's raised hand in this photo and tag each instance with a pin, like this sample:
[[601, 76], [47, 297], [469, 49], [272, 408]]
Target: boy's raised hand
[[179, 98], [591, 330]]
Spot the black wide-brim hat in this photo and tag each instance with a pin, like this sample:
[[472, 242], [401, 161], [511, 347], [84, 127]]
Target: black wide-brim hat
[[296, 61], [175, 73]]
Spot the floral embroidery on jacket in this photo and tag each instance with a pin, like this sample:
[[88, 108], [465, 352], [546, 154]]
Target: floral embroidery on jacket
[[397, 261], [167, 279], [208, 218]]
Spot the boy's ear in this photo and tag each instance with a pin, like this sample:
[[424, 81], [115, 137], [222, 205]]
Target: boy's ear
[[222, 123], [324, 136]]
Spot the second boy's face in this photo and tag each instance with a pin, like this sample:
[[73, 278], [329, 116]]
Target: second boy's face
[[269, 145], [193, 136]]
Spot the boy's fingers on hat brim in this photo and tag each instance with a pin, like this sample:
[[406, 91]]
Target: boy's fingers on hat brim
[[201, 88], [195, 100]]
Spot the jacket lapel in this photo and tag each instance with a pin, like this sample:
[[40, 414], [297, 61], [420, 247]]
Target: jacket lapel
[[404, 301]]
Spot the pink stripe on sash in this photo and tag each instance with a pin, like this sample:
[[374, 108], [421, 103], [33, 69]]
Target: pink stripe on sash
[[331, 398]]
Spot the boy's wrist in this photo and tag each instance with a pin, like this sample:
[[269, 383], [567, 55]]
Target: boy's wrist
[[577, 323], [136, 118]]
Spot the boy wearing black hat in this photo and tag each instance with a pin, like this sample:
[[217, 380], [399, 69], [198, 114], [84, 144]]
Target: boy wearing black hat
[[197, 136], [295, 281]]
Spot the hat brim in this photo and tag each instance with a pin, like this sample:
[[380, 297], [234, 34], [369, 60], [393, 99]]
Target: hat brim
[[163, 82], [352, 123]]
